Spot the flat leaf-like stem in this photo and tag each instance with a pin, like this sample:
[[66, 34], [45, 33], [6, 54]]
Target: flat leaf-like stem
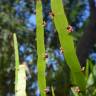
[[66, 42], [41, 64], [16, 59]]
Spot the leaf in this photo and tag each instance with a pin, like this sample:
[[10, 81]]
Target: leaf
[[53, 94], [92, 77], [20, 74], [66, 42], [87, 70], [41, 64], [16, 59]]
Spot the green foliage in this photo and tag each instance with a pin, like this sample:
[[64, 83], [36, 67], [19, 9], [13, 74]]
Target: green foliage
[[53, 94], [91, 83], [41, 64], [67, 44], [16, 59], [20, 74], [87, 70], [10, 22]]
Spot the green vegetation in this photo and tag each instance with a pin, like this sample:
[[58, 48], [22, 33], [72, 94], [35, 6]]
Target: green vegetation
[[20, 72], [67, 44], [38, 70], [53, 94], [16, 60], [40, 49]]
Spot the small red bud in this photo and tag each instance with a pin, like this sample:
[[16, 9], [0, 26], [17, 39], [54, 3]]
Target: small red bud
[[44, 24], [77, 89], [70, 28], [47, 90], [61, 50], [45, 55]]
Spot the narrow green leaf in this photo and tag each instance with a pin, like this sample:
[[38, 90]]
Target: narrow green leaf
[[16, 59], [41, 64], [94, 92], [91, 80], [66, 41], [53, 94], [91, 65], [87, 70]]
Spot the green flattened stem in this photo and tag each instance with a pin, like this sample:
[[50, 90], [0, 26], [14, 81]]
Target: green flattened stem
[[67, 44], [87, 70], [16, 59], [20, 74], [21, 84], [41, 64]]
